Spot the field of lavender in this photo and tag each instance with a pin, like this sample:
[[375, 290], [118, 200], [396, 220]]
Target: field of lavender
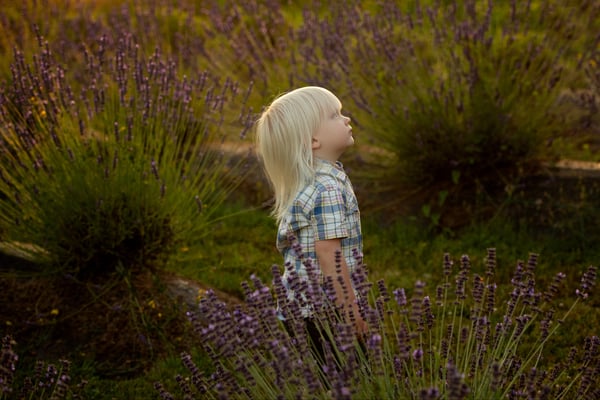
[[126, 165]]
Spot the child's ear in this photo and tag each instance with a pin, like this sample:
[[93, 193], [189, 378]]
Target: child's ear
[[316, 144]]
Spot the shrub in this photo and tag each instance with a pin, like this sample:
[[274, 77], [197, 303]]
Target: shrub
[[111, 165], [467, 339], [126, 172]]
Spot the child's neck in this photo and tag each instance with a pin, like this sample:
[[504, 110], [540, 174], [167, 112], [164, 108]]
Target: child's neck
[[332, 158]]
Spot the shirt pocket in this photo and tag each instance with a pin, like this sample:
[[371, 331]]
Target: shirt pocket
[[351, 205]]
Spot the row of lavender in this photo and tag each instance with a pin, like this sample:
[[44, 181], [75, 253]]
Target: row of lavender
[[467, 340]]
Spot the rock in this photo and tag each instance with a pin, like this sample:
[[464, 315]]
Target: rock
[[190, 291]]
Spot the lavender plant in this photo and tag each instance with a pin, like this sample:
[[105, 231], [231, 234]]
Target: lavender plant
[[123, 172], [48, 381], [453, 92], [257, 41], [467, 339]]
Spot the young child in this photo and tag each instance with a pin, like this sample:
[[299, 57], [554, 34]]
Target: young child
[[300, 137]]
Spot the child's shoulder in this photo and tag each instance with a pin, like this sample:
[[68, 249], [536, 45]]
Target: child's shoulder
[[321, 183], [307, 196]]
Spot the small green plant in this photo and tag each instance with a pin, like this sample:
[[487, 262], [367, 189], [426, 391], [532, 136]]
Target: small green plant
[[467, 340]]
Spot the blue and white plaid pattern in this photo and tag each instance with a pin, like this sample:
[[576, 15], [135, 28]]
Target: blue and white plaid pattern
[[327, 209]]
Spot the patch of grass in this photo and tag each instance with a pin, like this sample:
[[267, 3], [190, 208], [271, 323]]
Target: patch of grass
[[241, 243], [405, 250], [142, 386]]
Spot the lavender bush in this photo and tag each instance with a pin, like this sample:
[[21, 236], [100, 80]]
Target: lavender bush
[[48, 380], [111, 161], [130, 163], [455, 93], [467, 339]]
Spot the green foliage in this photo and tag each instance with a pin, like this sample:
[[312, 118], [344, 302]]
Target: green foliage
[[582, 105], [469, 109], [224, 257]]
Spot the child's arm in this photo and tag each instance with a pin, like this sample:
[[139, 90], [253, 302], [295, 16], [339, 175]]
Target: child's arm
[[326, 250]]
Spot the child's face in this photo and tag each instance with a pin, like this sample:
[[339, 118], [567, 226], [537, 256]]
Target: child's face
[[333, 136]]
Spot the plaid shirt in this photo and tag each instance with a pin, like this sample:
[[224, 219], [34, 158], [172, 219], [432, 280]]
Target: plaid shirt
[[326, 209]]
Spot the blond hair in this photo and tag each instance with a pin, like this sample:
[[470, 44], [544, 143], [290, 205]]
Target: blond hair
[[284, 135]]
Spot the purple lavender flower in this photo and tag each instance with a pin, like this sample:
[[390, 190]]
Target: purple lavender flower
[[457, 389], [400, 296], [162, 392], [478, 289], [429, 317], [383, 290], [417, 354], [462, 277], [447, 264], [588, 280], [554, 286], [491, 298], [429, 394], [403, 338]]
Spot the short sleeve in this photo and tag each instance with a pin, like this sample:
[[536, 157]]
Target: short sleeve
[[330, 215]]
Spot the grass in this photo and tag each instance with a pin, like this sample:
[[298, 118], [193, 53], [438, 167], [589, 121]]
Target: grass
[[243, 243]]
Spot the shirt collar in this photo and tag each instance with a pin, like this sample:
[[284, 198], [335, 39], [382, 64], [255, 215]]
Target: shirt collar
[[329, 167]]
